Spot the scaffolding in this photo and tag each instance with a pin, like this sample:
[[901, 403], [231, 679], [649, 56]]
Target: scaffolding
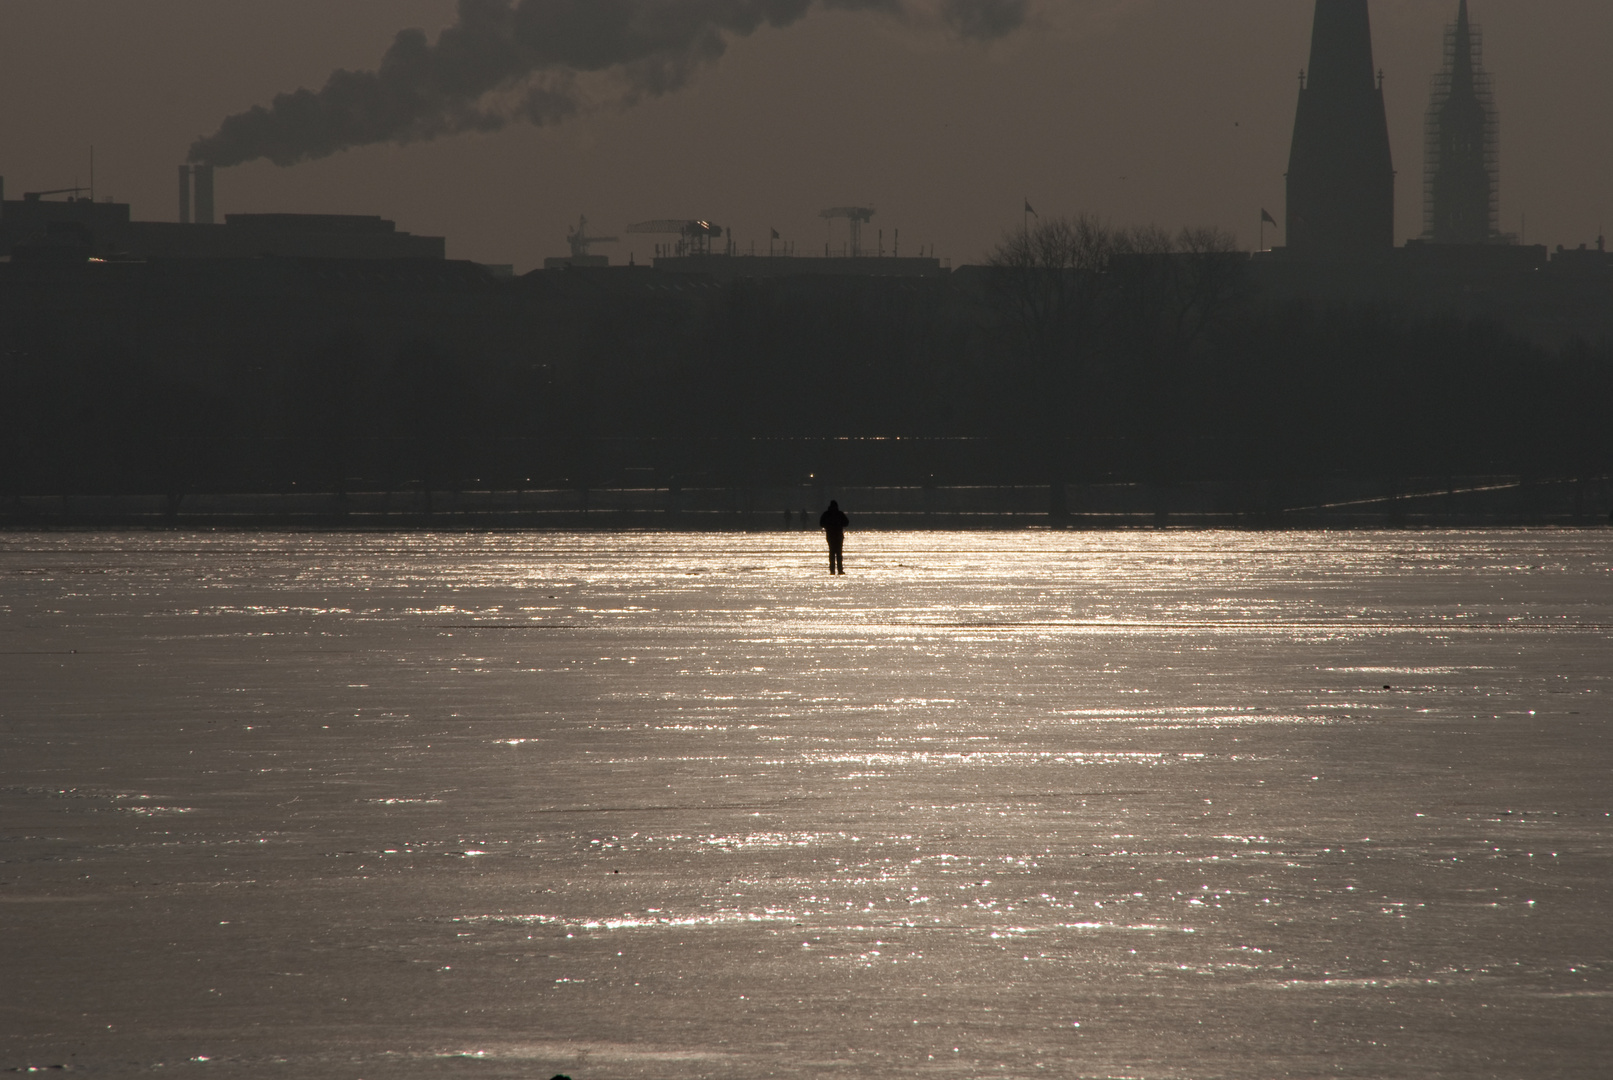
[[1462, 162]]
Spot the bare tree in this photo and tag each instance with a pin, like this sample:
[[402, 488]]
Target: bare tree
[[1169, 290], [1212, 277], [1049, 285], [1072, 289], [1172, 289]]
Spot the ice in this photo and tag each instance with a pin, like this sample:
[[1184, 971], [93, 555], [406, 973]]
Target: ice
[[1041, 803]]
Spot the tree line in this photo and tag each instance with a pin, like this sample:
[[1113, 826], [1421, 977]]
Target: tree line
[[1076, 352]]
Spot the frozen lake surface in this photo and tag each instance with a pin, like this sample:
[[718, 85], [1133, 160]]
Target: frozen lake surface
[[1140, 805]]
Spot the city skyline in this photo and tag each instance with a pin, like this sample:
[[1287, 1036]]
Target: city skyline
[[838, 108]]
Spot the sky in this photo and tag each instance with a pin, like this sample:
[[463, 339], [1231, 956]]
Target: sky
[[1167, 112]]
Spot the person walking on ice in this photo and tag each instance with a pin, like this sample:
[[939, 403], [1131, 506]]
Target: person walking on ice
[[833, 523]]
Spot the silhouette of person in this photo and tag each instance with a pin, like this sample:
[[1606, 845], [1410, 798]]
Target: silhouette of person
[[833, 523]]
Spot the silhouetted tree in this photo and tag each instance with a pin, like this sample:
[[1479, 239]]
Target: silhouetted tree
[[1081, 352], [1050, 290], [1169, 292]]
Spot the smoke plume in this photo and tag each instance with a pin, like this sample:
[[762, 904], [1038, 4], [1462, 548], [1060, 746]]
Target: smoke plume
[[509, 61]]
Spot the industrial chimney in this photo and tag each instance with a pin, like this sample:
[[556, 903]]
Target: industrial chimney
[[184, 194], [1341, 176], [203, 175]]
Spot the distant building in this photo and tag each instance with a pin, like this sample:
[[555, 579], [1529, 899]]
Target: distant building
[[580, 242], [35, 217], [1341, 175], [305, 236], [728, 267], [561, 262], [1584, 261], [1461, 185], [37, 224]]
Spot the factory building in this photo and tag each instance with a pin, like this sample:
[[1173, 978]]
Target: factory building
[[693, 253], [301, 236], [68, 222], [43, 227]]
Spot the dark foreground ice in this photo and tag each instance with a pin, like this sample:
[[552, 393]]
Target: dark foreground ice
[[1144, 805]]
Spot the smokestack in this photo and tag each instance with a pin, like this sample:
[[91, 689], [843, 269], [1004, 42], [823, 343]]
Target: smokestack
[[204, 193], [184, 194]]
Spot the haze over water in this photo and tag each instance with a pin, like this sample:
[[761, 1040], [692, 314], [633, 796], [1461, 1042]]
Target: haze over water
[[1029, 804]]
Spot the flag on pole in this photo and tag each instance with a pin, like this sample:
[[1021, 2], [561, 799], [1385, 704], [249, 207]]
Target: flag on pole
[[1266, 218], [1030, 210], [776, 235]]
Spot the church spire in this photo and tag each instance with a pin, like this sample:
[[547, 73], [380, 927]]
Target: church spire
[[1341, 179], [1341, 47], [1461, 174], [1462, 51]]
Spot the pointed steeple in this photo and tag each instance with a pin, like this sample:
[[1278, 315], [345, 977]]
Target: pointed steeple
[[1461, 177], [1341, 178], [1341, 47], [1462, 52]]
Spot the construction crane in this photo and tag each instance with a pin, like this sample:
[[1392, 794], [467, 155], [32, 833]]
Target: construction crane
[[696, 235], [579, 239], [856, 217]]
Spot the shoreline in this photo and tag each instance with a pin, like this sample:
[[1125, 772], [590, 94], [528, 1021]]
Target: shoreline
[[1264, 505]]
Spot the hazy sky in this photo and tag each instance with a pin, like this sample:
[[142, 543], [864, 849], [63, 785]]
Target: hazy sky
[[1165, 111]]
